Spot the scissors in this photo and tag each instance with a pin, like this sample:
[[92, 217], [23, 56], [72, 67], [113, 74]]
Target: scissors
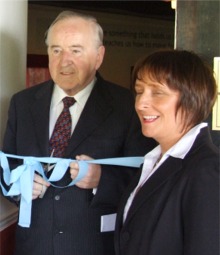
[[48, 167]]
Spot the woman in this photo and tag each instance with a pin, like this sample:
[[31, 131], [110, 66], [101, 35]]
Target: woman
[[172, 208]]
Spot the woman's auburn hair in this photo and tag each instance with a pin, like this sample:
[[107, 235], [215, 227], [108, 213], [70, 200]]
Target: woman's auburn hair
[[185, 72]]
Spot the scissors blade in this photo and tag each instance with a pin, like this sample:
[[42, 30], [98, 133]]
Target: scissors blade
[[48, 167]]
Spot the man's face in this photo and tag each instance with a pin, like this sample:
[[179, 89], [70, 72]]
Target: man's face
[[74, 55]]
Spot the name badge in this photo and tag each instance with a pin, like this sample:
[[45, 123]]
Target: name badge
[[108, 222]]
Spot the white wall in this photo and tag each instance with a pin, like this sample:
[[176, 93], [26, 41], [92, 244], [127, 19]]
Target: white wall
[[13, 50]]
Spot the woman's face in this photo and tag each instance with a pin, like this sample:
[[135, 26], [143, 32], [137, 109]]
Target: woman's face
[[156, 107]]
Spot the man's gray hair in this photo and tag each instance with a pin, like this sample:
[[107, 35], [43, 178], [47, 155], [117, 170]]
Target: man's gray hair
[[71, 14]]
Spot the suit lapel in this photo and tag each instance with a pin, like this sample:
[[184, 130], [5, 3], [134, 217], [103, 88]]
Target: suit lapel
[[40, 113], [168, 169], [96, 110]]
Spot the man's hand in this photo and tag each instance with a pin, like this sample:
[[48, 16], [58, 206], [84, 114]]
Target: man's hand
[[39, 187], [92, 178]]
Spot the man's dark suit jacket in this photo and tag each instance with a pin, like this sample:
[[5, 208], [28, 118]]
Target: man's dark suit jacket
[[67, 221], [176, 212]]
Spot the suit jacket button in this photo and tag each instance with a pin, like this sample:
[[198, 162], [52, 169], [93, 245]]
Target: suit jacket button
[[57, 197]]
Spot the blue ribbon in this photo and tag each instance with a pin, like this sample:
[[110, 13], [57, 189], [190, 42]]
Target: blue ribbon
[[20, 180]]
